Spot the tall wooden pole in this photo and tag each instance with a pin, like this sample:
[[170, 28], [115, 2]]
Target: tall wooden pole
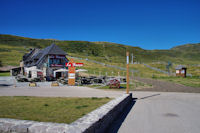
[[127, 73]]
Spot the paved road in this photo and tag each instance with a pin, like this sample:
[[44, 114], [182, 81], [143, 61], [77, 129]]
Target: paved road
[[7, 89], [164, 112], [62, 91]]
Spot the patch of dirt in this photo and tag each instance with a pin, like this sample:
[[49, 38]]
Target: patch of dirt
[[7, 68], [165, 86]]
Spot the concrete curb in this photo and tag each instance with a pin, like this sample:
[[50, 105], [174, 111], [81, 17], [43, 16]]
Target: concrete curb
[[96, 121]]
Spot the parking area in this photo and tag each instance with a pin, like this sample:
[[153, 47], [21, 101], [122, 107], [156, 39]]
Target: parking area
[[7, 88], [60, 91]]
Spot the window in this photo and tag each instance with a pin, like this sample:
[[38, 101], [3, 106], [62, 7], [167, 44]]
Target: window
[[54, 61], [177, 71], [182, 71]]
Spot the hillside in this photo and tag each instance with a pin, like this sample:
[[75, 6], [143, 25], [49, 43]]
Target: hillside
[[13, 47], [188, 51]]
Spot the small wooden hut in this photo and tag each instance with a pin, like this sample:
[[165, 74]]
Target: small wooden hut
[[181, 71]]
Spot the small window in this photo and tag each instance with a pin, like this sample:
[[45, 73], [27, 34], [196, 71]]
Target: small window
[[182, 71]]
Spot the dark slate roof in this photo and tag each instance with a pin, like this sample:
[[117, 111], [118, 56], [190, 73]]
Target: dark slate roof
[[53, 49], [180, 67], [29, 55], [39, 55]]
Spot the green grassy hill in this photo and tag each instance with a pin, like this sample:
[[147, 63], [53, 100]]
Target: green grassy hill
[[12, 49]]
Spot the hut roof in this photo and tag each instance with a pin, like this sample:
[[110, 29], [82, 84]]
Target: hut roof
[[180, 67]]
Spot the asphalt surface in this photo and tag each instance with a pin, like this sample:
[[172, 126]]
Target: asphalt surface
[[163, 112], [62, 91], [44, 89]]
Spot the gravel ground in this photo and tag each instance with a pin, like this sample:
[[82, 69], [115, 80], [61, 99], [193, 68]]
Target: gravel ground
[[165, 86]]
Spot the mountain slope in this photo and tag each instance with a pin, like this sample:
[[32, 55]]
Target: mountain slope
[[189, 51], [13, 47]]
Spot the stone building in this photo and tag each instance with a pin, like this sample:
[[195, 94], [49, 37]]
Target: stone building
[[43, 63]]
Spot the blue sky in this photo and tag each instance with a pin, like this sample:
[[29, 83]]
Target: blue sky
[[149, 24]]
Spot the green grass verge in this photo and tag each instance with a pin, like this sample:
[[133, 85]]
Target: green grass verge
[[4, 73], [45, 109]]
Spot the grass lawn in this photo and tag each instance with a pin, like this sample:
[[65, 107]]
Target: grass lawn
[[46, 109], [188, 81], [4, 73]]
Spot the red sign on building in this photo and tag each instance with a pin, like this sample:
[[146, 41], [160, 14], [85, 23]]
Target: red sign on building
[[70, 64]]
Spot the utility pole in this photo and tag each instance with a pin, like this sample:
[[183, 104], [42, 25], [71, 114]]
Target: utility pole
[[127, 73], [132, 59]]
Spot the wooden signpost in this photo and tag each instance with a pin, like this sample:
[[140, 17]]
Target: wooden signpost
[[72, 71]]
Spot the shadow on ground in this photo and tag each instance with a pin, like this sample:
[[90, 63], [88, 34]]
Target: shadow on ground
[[150, 96], [4, 85], [114, 127]]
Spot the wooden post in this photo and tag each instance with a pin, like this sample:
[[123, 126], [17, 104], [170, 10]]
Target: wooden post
[[127, 73], [71, 73]]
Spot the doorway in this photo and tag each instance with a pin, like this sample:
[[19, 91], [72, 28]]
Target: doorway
[[58, 74]]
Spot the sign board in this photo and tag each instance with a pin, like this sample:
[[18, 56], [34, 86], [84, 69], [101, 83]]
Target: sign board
[[127, 59], [71, 71], [71, 76], [70, 64], [56, 65]]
